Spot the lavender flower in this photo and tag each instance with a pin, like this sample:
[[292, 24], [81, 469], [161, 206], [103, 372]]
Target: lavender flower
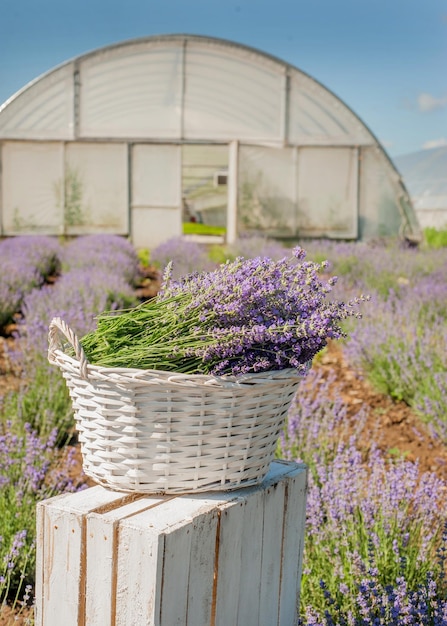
[[373, 525], [26, 262], [186, 256], [110, 253], [25, 468], [246, 316]]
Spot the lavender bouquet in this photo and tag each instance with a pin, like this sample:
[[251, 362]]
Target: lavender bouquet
[[246, 316]]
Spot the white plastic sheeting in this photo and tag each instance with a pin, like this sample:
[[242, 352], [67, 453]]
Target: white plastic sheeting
[[267, 190], [425, 175], [156, 175], [133, 91], [229, 97], [184, 88], [43, 110], [327, 192], [97, 189], [32, 189], [382, 201], [316, 116], [305, 192]]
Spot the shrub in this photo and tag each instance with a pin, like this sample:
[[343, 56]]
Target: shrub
[[435, 237]]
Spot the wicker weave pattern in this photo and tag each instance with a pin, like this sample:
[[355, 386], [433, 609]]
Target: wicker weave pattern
[[151, 431]]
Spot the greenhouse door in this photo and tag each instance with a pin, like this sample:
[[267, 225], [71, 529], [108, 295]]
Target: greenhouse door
[[205, 189], [155, 204]]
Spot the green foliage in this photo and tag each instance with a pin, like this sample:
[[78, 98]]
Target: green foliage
[[27, 477], [218, 253], [17, 514], [144, 256], [196, 228], [435, 237], [364, 513], [73, 210], [42, 402]]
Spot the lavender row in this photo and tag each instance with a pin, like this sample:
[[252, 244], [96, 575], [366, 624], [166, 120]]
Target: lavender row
[[401, 343], [25, 264], [376, 529], [97, 273], [27, 261]]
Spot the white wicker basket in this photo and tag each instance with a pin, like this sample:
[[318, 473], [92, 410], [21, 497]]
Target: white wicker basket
[[153, 431]]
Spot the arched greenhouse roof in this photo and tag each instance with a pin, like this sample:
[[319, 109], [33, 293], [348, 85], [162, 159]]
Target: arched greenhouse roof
[[173, 82]]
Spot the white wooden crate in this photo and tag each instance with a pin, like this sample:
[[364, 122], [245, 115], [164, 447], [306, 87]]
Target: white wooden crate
[[213, 559]]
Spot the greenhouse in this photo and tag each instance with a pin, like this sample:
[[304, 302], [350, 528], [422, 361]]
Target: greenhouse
[[425, 174], [146, 136]]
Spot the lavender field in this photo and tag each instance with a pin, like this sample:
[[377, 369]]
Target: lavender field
[[376, 534]]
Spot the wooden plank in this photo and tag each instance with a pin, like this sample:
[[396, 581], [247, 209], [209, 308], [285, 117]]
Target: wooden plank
[[60, 572], [174, 589], [201, 569], [238, 522], [152, 586], [102, 537], [293, 545], [40, 562], [273, 500], [229, 561], [251, 560]]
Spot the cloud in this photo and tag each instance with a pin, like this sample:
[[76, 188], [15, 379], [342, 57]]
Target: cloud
[[427, 102], [435, 143]]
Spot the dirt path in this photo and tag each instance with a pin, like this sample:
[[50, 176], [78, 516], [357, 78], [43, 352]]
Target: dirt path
[[393, 426]]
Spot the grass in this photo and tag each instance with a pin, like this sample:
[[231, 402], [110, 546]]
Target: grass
[[195, 228], [435, 237]]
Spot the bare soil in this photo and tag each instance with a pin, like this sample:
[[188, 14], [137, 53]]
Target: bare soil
[[393, 426]]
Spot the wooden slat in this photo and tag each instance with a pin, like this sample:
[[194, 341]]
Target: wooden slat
[[273, 501], [60, 571], [251, 560], [152, 579], [229, 563], [102, 538], [293, 546], [201, 569]]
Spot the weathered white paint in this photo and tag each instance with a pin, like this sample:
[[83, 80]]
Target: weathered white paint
[[60, 562], [101, 538], [292, 552], [216, 559]]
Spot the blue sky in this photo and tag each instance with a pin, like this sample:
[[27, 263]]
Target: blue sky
[[386, 59]]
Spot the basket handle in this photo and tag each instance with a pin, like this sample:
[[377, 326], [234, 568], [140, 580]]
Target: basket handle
[[57, 328]]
